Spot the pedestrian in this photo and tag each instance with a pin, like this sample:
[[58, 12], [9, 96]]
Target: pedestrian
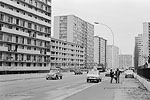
[[111, 75], [117, 74]]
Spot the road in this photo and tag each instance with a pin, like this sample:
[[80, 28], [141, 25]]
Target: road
[[71, 87], [42, 89]]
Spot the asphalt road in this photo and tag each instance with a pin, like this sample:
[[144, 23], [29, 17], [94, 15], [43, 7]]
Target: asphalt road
[[42, 89], [72, 87]]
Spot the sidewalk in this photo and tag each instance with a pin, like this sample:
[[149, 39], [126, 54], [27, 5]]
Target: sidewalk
[[15, 77], [131, 89]]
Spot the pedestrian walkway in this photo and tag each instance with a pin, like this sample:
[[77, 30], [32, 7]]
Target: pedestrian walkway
[[127, 89], [131, 89]]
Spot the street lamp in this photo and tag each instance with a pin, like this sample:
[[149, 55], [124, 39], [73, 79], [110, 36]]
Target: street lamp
[[111, 33], [108, 28]]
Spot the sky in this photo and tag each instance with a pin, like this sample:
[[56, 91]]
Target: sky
[[124, 17]]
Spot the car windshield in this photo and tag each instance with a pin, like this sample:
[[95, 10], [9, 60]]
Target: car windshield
[[129, 71], [53, 71], [93, 72]]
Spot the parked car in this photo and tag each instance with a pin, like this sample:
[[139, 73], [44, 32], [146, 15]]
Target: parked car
[[76, 72], [129, 74], [54, 74], [107, 74], [94, 75]]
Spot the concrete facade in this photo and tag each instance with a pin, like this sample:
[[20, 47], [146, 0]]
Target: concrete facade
[[112, 57], [73, 29], [25, 34], [66, 54], [146, 40], [139, 58], [125, 61], [100, 50]]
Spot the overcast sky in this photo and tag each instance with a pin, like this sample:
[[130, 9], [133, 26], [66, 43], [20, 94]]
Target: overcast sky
[[124, 17]]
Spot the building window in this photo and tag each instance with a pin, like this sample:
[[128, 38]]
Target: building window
[[17, 21], [1, 36], [28, 41], [29, 25], [2, 17]]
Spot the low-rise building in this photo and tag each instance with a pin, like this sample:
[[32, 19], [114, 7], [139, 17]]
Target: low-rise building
[[66, 54]]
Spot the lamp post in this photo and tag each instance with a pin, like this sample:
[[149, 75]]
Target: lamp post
[[97, 23], [108, 28]]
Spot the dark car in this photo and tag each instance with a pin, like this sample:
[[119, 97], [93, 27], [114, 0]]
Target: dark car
[[54, 74], [76, 72]]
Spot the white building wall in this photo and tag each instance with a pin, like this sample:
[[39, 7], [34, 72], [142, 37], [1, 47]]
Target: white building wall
[[125, 61], [146, 39], [100, 50], [25, 35], [77, 31], [112, 57]]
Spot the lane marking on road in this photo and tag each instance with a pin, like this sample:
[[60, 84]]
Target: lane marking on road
[[61, 94]]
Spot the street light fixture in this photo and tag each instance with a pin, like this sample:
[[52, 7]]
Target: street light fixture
[[111, 33], [108, 28]]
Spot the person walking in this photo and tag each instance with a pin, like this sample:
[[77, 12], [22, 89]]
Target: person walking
[[111, 75], [117, 73]]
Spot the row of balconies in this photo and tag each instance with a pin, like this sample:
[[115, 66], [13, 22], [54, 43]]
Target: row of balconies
[[12, 31], [68, 46], [66, 51], [67, 56], [25, 9], [2, 48], [11, 59]]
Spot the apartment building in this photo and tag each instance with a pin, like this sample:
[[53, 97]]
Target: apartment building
[[73, 29], [125, 61], [100, 50], [66, 55], [25, 35], [112, 57], [146, 40], [139, 58]]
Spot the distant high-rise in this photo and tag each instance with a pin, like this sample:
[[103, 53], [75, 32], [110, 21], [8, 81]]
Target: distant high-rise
[[100, 50], [125, 61], [138, 51], [73, 29], [146, 40], [25, 35], [112, 56]]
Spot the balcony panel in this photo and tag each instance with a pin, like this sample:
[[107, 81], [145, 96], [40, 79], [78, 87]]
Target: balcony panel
[[24, 16], [3, 48], [25, 8]]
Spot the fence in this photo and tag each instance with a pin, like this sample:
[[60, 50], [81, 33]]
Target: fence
[[145, 72]]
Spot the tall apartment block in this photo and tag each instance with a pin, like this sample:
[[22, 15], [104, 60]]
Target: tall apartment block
[[139, 59], [73, 29], [25, 35], [112, 57], [100, 51], [146, 40], [125, 61], [66, 55]]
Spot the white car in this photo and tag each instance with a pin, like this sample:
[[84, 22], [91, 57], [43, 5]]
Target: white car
[[129, 74], [94, 75]]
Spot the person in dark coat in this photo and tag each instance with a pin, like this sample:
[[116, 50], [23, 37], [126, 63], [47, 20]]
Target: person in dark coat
[[111, 75], [117, 74]]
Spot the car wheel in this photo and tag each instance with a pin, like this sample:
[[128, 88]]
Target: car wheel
[[88, 81], [97, 81], [60, 77], [56, 77], [46, 78], [100, 80]]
